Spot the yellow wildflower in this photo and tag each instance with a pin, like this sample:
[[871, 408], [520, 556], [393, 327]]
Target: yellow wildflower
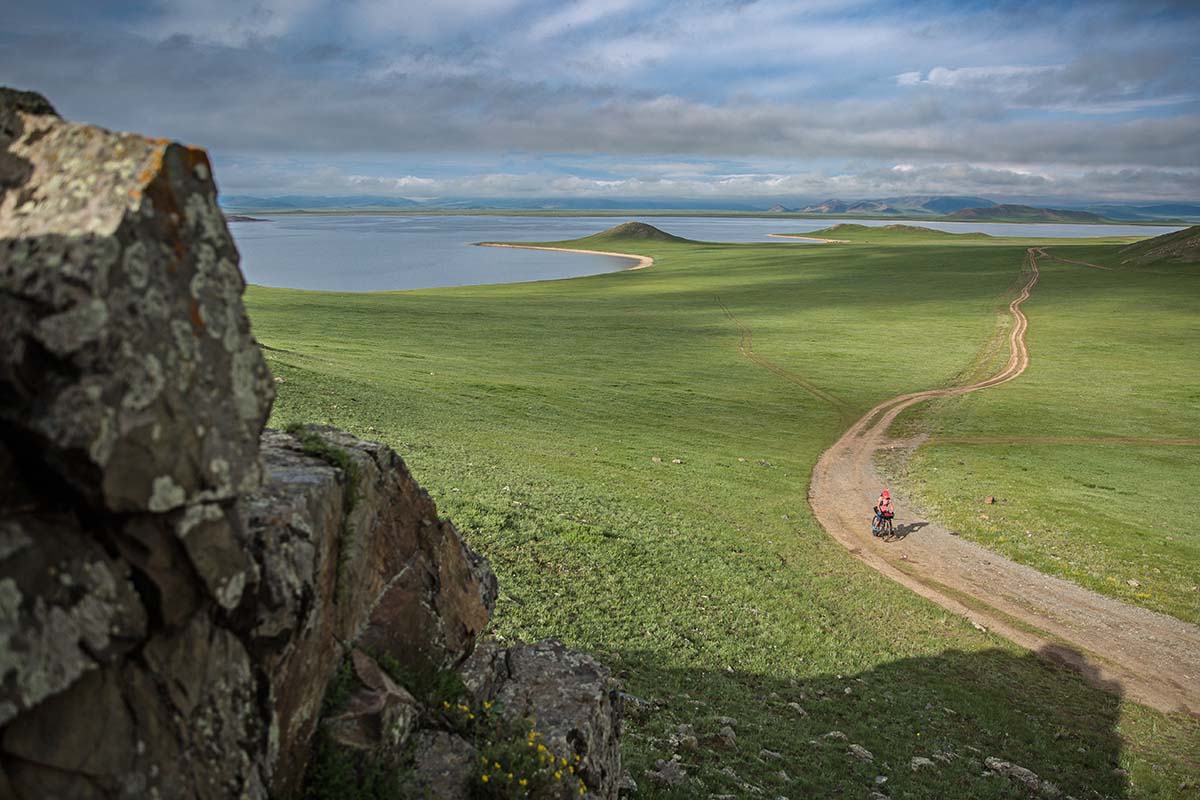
[[558, 775], [496, 764], [523, 782], [484, 778]]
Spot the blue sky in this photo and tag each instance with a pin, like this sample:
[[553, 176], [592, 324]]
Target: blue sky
[[737, 99]]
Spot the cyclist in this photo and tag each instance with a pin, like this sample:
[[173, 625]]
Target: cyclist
[[883, 509]]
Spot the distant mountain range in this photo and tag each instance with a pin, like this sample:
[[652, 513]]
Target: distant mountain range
[[1016, 213], [918, 207], [1138, 213]]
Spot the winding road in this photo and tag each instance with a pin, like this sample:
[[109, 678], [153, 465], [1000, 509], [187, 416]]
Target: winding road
[[1150, 657]]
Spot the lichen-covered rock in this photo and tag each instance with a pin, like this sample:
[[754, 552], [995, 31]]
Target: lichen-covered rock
[[387, 574], [126, 361], [187, 723], [170, 618], [66, 607], [445, 766], [570, 697]]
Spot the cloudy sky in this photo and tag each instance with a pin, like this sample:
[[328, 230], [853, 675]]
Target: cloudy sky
[[738, 99]]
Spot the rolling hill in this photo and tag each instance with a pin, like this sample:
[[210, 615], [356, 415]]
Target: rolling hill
[[1180, 247], [627, 232]]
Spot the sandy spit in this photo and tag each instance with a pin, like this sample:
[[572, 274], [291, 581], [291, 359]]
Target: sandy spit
[[642, 261]]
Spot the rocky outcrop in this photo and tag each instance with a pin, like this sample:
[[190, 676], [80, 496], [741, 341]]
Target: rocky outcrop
[[353, 554], [125, 356], [571, 696], [178, 587]]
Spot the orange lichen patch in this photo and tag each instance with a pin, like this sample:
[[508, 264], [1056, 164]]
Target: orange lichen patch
[[154, 167], [197, 320], [166, 206]]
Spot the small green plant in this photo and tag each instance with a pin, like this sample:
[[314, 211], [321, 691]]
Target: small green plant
[[335, 773], [339, 688], [514, 761], [433, 687]]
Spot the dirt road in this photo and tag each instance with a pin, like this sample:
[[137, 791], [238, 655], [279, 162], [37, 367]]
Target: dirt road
[[1154, 658]]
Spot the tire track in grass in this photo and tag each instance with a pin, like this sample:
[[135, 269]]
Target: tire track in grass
[[1127, 440], [1041, 252], [746, 348], [1153, 658]]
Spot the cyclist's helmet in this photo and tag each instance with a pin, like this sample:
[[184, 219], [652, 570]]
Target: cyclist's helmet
[[885, 493]]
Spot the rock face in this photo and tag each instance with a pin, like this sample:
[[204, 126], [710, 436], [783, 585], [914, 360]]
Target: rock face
[[125, 357], [177, 586], [572, 697]]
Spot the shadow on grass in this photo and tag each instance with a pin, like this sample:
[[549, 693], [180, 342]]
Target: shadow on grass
[[929, 725]]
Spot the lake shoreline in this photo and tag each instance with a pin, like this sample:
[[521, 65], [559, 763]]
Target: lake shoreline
[[365, 253]]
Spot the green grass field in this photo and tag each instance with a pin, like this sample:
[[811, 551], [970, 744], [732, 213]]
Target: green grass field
[[533, 412], [1114, 361]]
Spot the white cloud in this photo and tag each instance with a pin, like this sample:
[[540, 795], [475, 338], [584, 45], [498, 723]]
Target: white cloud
[[903, 179], [1055, 87], [577, 15], [665, 88], [424, 20]]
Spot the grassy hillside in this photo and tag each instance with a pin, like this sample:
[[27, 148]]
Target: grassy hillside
[[547, 420], [627, 232], [1180, 247]]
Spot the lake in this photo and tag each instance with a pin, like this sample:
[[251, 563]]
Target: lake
[[384, 252]]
